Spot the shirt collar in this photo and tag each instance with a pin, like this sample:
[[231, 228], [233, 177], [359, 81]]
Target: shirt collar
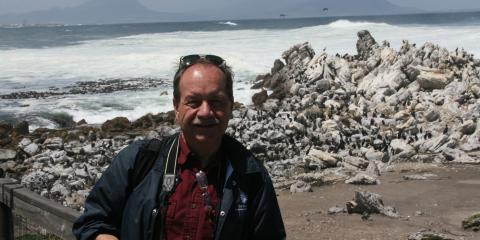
[[184, 150]]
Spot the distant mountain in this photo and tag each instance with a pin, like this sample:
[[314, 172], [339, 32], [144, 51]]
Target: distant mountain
[[348, 7], [131, 11], [306, 8], [94, 12]]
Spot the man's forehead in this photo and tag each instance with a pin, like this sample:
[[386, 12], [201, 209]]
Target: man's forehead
[[203, 68]]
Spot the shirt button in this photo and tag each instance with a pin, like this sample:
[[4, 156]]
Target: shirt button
[[222, 213], [193, 205]]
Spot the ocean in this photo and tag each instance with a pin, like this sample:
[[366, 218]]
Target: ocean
[[51, 58]]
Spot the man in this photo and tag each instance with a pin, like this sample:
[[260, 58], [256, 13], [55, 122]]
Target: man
[[215, 190]]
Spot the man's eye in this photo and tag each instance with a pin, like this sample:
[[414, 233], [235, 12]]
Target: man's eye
[[193, 104], [216, 103]]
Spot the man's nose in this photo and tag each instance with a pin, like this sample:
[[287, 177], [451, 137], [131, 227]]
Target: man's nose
[[205, 110]]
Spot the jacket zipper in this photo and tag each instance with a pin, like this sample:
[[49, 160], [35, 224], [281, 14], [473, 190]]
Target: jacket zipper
[[153, 224]]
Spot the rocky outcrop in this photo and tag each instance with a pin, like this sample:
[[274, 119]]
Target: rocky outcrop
[[316, 119]]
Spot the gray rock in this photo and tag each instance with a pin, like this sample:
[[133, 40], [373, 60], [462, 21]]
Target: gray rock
[[426, 234], [362, 179], [300, 186], [336, 210], [370, 203], [53, 143], [432, 115], [7, 154], [373, 155], [259, 98], [59, 191], [31, 149], [458, 156], [365, 44], [402, 148], [432, 79], [372, 169], [355, 163], [321, 158], [468, 127]]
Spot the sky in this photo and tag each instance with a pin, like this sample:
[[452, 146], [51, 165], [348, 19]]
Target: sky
[[20, 6]]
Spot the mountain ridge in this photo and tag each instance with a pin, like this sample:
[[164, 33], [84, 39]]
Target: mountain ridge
[[132, 11]]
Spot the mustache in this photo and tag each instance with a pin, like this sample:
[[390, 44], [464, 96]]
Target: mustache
[[206, 121]]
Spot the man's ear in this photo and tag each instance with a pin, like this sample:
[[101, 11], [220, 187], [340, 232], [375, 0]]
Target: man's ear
[[175, 107], [175, 104]]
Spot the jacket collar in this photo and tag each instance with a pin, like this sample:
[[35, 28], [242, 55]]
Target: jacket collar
[[242, 160]]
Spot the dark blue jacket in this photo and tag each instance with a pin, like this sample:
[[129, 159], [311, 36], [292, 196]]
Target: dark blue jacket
[[249, 207]]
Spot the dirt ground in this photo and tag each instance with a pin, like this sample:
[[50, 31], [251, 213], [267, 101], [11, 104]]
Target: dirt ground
[[439, 204]]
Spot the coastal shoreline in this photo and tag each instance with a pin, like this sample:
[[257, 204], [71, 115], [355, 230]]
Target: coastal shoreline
[[316, 119]]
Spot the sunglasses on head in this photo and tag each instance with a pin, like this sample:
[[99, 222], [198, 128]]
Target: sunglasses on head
[[189, 60]]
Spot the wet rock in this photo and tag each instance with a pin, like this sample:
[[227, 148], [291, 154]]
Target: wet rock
[[277, 66], [82, 122], [21, 128], [259, 98], [118, 124]]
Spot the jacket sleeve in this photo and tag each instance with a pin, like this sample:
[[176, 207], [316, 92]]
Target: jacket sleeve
[[105, 203], [268, 223]]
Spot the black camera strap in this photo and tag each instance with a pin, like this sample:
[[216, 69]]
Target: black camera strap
[[169, 182]]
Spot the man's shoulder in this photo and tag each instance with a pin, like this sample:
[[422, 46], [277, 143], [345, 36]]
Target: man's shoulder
[[242, 159]]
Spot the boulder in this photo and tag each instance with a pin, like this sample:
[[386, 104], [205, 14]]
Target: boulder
[[21, 128], [370, 203], [259, 98], [5, 128], [31, 149], [432, 79], [7, 154], [365, 44], [277, 66], [118, 124], [468, 127]]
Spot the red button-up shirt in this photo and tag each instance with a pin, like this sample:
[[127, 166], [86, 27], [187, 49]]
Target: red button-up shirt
[[187, 215]]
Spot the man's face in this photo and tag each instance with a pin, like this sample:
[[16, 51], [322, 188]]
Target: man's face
[[204, 107]]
